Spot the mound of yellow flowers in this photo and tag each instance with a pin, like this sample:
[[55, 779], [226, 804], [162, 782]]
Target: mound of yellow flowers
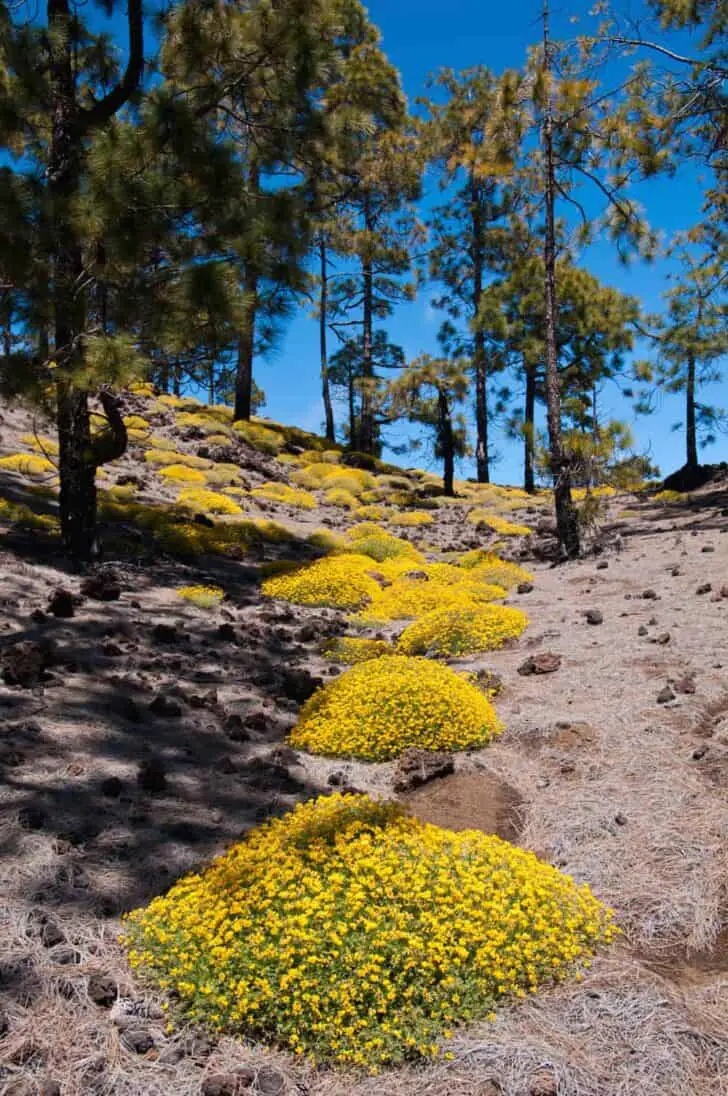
[[463, 630], [491, 568], [342, 582], [350, 932], [378, 708], [351, 649], [408, 598]]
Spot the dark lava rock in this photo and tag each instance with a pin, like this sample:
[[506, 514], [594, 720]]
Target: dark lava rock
[[649, 595], [61, 603], [299, 685], [665, 695], [524, 587], [151, 776], [336, 779], [112, 787], [165, 633], [663, 639], [126, 707], [102, 990], [284, 755], [166, 706], [139, 1040], [228, 1084], [489, 682], [268, 777], [31, 818], [25, 663], [707, 548], [545, 663], [642, 630], [594, 616], [602, 565], [227, 632], [102, 586], [416, 767], [704, 588]]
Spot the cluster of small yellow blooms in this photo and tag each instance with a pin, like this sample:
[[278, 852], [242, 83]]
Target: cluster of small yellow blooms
[[223, 474], [670, 497], [122, 492], [316, 456], [378, 708], [208, 424], [602, 492], [327, 540], [412, 517], [40, 443], [353, 649], [491, 568], [168, 456], [498, 525], [322, 474], [135, 422], [197, 498], [366, 529], [260, 437], [20, 514], [281, 492], [340, 496], [182, 473], [383, 546], [355, 934], [462, 631], [341, 582], [28, 464], [370, 513], [408, 598], [204, 597]]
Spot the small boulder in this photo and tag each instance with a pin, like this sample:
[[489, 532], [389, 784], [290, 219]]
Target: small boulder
[[102, 990], [649, 595], [594, 616], [544, 663], [61, 603], [112, 787], [416, 767], [152, 776], [102, 586], [270, 1082], [139, 1040], [165, 706], [665, 695], [299, 685], [524, 587], [165, 633], [602, 565], [25, 663], [642, 630], [228, 1084], [704, 588]]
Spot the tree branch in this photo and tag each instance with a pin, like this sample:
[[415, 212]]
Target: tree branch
[[105, 108]]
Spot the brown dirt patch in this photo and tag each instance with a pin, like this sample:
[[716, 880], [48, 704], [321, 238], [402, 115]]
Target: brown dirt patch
[[469, 801]]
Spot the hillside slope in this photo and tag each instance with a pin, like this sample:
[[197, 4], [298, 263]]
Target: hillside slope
[[142, 733]]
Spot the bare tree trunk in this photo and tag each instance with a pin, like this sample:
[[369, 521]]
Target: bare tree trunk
[[211, 383], [352, 412], [566, 516], [480, 365], [365, 439], [246, 348], [691, 431], [323, 321], [529, 415], [447, 443]]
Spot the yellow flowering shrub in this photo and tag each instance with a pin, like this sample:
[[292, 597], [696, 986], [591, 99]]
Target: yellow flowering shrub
[[142, 388], [217, 439], [366, 529], [491, 568], [498, 525], [181, 473], [281, 492], [135, 422], [381, 546], [159, 442], [353, 933], [327, 540], [412, 518], [342, 582], [462, 631], [197, 498], [353, 649], [410, 598], [371, 513], [378, 708], [260, 437], [27, 464], [199, 420], [122, 492], [204, 597], [41, 443], [222, 474], [671, 497], [322, 474], [339, 496], [18, 513], [168, 456]]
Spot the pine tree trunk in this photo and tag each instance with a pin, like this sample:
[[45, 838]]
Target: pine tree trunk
[[365, 439], [691, 432], [323, 321], [447, 443], [246, 348], [480, 364], [566, 516], [352, 411], [529, 415], [211, 384]]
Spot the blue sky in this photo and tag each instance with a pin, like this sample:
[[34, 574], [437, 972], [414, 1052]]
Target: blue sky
[[419, 36]]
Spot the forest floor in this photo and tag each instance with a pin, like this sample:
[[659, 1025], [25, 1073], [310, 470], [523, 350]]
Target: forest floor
[[156, 736]]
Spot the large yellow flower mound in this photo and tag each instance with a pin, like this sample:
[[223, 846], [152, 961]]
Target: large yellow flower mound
[[409, 598], [498, 524], [378, 708], [462, 631], [383, 546], [341, 582], [355, 934], [353, 649], [491, 568]]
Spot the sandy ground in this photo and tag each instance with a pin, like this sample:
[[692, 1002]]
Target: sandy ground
[[593, 773]]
